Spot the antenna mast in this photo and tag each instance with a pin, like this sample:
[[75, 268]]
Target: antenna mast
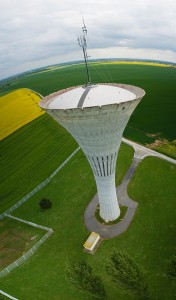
[[83, 44]]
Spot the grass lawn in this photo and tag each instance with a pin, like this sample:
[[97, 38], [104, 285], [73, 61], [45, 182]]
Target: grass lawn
[[15, 239], [70, 192], [150, 239], [2, 297], [123, 210], [153, 231], [29, 156]]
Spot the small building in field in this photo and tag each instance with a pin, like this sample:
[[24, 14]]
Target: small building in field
[[92, 241]]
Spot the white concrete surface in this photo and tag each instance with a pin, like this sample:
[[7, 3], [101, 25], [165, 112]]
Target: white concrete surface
[[95, 95]]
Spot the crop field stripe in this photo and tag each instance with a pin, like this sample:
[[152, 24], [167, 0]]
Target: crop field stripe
[[154, 64], [159, 82], [40, 186], [17, 109], [34, 157], [36, 149]]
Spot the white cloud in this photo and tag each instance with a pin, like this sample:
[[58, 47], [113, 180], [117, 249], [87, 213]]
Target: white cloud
[[39, 32], [126, 52]]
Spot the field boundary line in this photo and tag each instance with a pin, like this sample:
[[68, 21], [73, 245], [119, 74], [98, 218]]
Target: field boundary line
[[7, 295], [38, 187], [29, 223], [31, 251]]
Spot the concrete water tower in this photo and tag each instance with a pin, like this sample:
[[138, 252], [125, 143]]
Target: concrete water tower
[[96, 116]]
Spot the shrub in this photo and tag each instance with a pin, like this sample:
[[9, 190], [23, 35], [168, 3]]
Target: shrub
[[126, 273], [80, 274], [45, 203]]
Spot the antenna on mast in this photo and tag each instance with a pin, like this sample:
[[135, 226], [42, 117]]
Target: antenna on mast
[[83, 44]]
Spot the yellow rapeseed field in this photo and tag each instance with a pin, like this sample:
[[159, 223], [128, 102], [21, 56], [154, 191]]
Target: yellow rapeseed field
[[154, 64], [17, 109]]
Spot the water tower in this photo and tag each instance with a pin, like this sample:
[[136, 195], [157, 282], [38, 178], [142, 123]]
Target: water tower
[[96, 116]]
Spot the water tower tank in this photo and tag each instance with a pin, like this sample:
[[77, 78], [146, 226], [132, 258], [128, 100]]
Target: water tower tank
[[96, 116]]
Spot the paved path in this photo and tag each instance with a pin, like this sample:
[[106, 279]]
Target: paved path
[[110, 231], [141, 151]]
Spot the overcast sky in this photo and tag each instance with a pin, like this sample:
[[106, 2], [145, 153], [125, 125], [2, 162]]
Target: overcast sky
[[36, 33]]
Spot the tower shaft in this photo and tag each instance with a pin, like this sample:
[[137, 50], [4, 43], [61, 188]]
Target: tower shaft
[[98, 130]]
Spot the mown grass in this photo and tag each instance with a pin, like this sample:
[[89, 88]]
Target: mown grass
[[16, 238], [123, 210], [150, 238], [2, 297], [29, 156], [153, 232], [43, 275]]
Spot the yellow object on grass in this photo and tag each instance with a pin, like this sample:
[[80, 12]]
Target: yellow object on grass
[[17, 109], [91, 241]]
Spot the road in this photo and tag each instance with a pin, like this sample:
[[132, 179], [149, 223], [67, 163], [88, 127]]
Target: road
[[141, 151]]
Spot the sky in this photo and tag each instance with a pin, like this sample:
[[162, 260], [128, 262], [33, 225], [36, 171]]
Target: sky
[[36, 33]]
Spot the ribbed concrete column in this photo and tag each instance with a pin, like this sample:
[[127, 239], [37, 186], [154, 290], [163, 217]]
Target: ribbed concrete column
[[109, 207]]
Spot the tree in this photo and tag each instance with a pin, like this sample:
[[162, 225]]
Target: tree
[[45, 203], [172, 270], [126, 273], [80, 275]]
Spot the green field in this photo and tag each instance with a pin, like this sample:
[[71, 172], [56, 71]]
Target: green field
[[168, 149], [70, 192], [156, 112], [29, 156], [15, 239], [153, 233], [150, 239]]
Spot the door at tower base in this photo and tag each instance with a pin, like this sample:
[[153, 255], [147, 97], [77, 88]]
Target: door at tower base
[[96, 116]]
